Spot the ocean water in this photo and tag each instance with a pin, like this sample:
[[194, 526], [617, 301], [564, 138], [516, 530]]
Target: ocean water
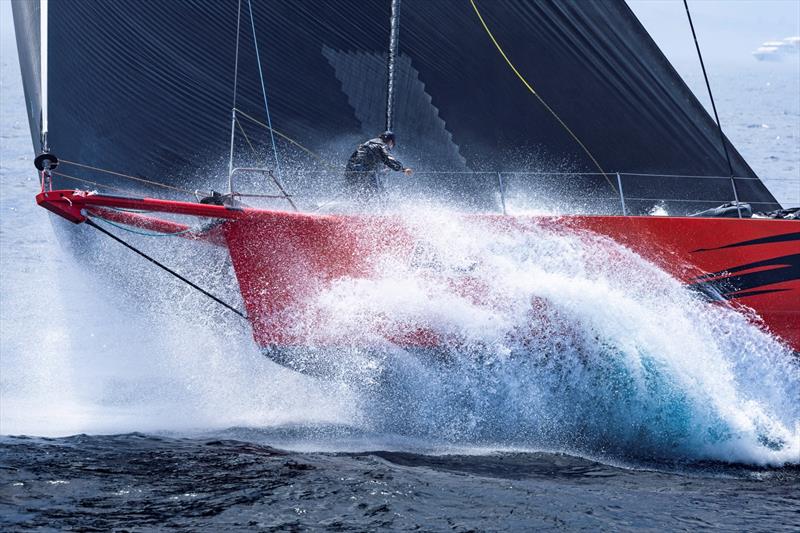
[[641, 407]]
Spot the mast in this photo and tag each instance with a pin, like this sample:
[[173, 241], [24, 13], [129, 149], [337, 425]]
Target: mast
[[43, 72], [393, 45]]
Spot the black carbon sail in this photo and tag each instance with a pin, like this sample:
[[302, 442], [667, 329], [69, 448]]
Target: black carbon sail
[[146, 89]]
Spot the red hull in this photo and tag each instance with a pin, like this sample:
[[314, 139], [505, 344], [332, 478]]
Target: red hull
[[283, 259], [289, 257]]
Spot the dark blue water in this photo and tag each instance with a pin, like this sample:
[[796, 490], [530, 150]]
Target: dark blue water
[[137, 481], [645, 408]]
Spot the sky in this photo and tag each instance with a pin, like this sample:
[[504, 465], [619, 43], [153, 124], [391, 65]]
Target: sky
[[728, 30]]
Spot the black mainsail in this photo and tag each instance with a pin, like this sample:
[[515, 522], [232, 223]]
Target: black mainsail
[[145, 89]]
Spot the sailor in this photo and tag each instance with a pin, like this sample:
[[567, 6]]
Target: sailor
[[362, 168]]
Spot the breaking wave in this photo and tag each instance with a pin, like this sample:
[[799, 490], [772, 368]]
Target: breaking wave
[[548, 340], [559, 340]]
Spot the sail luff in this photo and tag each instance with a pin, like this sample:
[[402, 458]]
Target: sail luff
[[27, 22], [43, 36]]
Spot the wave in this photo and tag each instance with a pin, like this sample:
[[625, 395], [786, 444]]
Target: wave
[[559, 340], [554, 340]]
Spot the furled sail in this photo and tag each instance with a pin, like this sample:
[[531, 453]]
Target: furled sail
[[26, 25], [146, 89]]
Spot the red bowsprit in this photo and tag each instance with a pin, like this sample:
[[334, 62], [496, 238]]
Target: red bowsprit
[[283, 259]]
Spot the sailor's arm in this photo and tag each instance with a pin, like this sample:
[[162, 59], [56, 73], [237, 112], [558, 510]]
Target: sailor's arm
[[393, 163]]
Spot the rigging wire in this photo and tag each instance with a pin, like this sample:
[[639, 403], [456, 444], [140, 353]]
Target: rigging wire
[[534, 93], [143, 233], [99, 228], [235, 87], [246, 138], [127, 176], [264, 89], [286, 196], [90, 182], [714, 107], [272, 196], [289, 139]]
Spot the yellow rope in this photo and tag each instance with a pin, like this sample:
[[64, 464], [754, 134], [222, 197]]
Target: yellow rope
[[283, 135], [534, 93]]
